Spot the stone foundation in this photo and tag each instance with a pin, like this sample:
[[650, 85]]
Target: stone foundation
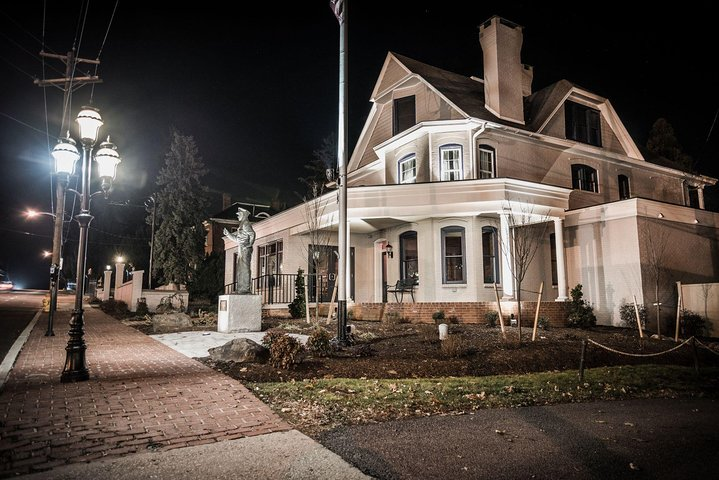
[[464, 312]]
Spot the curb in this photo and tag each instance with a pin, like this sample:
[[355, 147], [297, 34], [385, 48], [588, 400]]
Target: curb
[[14, 351]]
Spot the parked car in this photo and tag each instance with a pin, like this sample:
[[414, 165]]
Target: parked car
[[7, 285], [71, 286]]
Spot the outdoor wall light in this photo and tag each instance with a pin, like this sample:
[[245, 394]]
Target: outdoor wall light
[[389, 249]]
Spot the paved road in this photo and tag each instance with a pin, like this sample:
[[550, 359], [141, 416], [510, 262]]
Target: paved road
[[637, 439], [17, 308]]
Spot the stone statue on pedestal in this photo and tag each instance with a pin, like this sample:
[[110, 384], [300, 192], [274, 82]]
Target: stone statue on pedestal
[[245, 238]]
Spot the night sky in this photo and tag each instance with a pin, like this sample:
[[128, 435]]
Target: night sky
[[258, 90]]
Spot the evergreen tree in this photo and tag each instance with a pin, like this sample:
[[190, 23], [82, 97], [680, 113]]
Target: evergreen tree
[[208, 281], [663, 142], [181, 204], [297, 307]]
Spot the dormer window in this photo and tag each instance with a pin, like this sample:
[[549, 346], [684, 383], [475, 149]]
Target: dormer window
[[582, 124], [407, 169], [485, 162], [403, 114], [451, 162]]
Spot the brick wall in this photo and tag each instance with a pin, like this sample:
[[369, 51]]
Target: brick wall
[[465, 312]]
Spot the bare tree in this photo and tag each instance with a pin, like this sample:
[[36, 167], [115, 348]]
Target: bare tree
[[318, 236], [655, 242], [526, 232]]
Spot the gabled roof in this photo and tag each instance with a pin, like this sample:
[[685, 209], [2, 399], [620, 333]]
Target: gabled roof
[[466, 96], [229, 214]]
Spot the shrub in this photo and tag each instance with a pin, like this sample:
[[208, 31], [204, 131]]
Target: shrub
[[285, 350], [116, 308], [628, 316], [142, 309], [692, 324], [438, 316], [319, 342], [453, 346], [453, 319], [297, 307], [492, 318], [543, 323], [580, 311]]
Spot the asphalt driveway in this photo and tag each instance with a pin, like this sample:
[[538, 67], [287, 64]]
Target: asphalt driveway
[[655, 438]]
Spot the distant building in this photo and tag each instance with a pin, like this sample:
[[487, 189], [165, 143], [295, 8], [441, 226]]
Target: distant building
[[444, 164], [227, 218]]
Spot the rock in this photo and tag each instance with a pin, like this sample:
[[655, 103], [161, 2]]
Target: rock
[[171, 322], [240, 350]]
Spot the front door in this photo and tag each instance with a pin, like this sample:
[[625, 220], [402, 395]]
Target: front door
[[323, 266]]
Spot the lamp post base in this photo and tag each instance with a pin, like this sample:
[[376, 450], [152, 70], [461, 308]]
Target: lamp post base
[[75, 366]]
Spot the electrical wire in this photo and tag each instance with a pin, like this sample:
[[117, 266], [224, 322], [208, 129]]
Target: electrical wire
[[102, 46]]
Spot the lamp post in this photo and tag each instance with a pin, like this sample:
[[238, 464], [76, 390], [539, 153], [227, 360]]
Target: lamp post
[[107, 158]]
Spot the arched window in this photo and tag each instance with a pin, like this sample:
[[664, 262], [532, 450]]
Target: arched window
[[408, 255], [490, 260], [407, 169], [486, 157], [623, 183], [451, 162], [453, 255], [584, 178]]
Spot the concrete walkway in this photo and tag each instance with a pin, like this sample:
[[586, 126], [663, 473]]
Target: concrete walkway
[[145, 398]]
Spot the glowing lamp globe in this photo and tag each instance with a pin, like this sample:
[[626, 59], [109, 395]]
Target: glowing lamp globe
[[65, 155], [89, 121]]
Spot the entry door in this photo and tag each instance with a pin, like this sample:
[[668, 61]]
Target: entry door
[[323, 266]]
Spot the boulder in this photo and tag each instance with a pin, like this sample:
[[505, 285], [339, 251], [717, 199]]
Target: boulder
[[240, 350], [171, 322]]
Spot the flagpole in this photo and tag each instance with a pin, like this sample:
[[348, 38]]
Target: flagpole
[[340, 9]]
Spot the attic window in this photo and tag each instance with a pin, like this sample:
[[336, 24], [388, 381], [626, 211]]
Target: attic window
[[582, 124], [403, 114]]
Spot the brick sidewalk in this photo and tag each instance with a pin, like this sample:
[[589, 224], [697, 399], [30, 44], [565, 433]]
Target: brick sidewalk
[[141, 396]]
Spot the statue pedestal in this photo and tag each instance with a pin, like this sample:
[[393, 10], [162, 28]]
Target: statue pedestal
[[239, 313]]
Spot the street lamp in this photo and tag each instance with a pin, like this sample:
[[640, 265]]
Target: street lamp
[[107, 158]]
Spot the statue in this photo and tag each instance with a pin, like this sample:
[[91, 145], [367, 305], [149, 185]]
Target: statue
[[245, 237]]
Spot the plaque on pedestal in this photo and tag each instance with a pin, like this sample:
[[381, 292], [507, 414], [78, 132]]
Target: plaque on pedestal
[[239, 313]]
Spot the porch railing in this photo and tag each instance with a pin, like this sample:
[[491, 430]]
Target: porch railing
[[280, 288]]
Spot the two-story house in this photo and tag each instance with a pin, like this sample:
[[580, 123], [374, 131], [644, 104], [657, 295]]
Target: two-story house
[[444, 165]]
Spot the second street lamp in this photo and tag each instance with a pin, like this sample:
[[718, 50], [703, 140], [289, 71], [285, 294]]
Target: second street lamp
[[107, 158]]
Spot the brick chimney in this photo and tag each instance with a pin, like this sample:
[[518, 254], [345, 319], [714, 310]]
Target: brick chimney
[[505, 78]]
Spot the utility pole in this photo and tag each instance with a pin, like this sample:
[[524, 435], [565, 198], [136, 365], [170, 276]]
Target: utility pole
[[67, 84]]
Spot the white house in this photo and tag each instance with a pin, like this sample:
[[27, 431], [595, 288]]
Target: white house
[[446, 164]]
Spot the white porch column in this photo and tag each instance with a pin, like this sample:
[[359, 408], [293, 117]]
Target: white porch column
[[700, 194], [507, 278], [106, 285], [119, 274], [561, 266]]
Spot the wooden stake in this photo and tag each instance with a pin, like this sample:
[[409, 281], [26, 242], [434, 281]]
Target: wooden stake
[[536, 313], [499, 309], [332, 304], [581, 360], [307, 300], [679, 310], [639, 321]]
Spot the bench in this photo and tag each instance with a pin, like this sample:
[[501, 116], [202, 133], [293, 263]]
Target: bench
[[405, 285]]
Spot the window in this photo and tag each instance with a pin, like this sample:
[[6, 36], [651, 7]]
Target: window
[[582, 124], [485, 167], [408, 255], [490, 260], [623, 182], [269, 258], [408, 169], [553, 257], [693, 193], [453, 255], [451, 158], [584, 178], [403, 114]]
